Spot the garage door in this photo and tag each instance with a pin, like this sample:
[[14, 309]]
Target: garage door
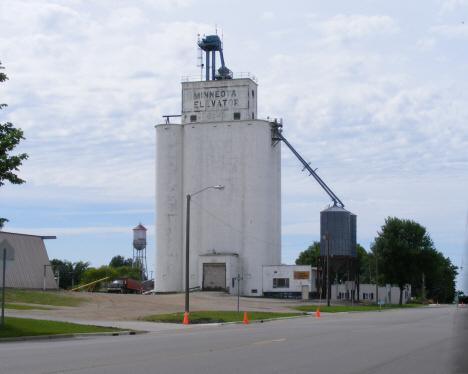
[[214, 277]]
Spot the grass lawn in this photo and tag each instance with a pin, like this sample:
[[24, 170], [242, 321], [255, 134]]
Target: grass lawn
[[15, 327], [215, 316], [24, 307], [41, 298], [342, 308]]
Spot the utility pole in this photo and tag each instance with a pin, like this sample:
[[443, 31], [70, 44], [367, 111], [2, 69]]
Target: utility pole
[[328, 269], [370, 274], [423, 292], [57, 273], [376, 276], [238, 288], [3, 284]]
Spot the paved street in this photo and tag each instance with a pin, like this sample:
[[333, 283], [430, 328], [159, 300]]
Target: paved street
[[420, 340]]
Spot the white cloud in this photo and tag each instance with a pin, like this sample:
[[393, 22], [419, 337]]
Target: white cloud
[[342, 27], [268, 15], [451, 5], [61, 231], [452, 31], [378, 105], [426, 44]]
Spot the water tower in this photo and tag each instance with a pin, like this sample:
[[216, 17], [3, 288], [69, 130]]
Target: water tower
[[139, 249]]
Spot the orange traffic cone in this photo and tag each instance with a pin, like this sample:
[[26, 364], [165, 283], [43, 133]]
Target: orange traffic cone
[[437, 303], [185, 319], [246, 321], [317, 313], [462, 303]]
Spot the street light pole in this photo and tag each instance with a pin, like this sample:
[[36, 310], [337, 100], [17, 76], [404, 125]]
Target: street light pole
[[187, 252], [376, 276], [328, 269], [187, 245], [238, 288]]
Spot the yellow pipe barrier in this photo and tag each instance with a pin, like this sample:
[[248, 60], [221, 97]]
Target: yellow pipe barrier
[[89, 284]]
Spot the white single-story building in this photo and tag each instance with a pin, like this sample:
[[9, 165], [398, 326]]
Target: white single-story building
[[295, 281], [387, 295]]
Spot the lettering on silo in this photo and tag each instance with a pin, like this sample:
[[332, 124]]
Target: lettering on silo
[[215, 99]]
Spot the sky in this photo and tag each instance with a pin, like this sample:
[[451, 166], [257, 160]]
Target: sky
[[372, 93]]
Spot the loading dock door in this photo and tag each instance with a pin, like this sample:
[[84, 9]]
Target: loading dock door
[[214, 277]]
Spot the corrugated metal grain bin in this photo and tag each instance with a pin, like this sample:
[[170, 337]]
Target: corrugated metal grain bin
[[337, 222]]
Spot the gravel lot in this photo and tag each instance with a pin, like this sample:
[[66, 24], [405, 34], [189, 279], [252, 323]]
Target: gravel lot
[[117, 307]]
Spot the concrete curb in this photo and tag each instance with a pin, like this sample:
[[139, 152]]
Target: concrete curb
[[250, 322], [69, 336]]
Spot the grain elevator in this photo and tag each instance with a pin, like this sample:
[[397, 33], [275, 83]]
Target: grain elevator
[[219, 141]]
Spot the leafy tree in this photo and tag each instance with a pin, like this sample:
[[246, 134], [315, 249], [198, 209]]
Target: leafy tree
[[363, 261], [310, 255], [118, 261], [93, 274], [442, 287], [70, 273], [462, 297], [405, 250], [9, 139], [129, 272]]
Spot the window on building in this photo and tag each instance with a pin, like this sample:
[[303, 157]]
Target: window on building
[[233, 282], [372, 296], [193, 118], [236, 115], [280, 282], [254, 290]]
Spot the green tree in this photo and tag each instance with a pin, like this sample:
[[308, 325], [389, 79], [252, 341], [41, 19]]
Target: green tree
[[9, 139], [70, 273], [118, 261], [93, 274], [363, 259], [310, 255], [441, 286], [404, 251]]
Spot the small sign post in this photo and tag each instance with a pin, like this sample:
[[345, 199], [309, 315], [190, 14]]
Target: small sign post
[[350, 292], [7, 256]]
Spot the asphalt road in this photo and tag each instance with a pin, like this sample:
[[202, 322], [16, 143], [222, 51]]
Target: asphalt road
[[419, 340]]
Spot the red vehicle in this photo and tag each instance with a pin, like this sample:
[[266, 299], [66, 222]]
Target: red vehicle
[[124, 285]]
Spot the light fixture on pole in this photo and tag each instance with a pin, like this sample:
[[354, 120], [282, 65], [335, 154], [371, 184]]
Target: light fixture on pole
[[187, 245]]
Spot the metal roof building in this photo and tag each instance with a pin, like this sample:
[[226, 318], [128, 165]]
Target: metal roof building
[[31, 267]]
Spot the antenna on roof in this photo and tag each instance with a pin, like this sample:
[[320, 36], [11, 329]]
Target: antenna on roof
[[200, 59]]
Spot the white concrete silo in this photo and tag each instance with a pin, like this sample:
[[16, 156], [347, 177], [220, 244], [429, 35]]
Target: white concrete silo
[[219, 141]]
